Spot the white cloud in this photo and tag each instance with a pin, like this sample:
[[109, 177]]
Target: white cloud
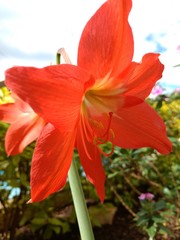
[[33, 27], [42, 26]]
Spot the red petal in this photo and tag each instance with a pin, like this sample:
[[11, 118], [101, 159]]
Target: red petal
[[55, 92], [140, 126], [90, 157], [21, 105], [106, 44], [9, 112], [23, 132], [51, 162], [139, 79]]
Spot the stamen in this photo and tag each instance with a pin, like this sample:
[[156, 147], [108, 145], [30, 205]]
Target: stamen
[[85, 130], [105, 137]]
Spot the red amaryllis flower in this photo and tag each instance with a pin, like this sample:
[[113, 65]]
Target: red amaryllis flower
[[99, 100], [25, 127]]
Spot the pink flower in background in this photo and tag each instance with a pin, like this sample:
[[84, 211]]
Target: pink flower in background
[[178, 49], [177, 90], [157, 90], [144, 196]]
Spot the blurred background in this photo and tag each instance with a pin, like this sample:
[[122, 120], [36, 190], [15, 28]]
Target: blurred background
[[31, 32]]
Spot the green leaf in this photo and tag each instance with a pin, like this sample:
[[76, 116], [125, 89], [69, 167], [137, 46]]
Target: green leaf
[[39, 221], [56, 229], [165, 230], [111, 175], [102, 214], [142, 221], [151, 231], [54, 221], [4, 164], [27, 215], [23, 178], [160, 205], [178, 65], [157, 219], [159, 104]]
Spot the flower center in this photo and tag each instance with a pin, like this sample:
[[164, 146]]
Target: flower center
[[101, 105]]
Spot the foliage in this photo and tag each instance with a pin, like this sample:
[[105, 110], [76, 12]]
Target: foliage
[[5, 95], [130, 172], [152, 217]]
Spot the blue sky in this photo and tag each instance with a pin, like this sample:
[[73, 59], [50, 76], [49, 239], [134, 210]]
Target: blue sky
[[32, 31]]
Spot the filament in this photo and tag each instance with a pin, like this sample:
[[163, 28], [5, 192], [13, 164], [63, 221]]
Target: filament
[[106, 136]]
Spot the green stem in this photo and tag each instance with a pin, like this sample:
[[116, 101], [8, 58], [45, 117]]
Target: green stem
[[58, 58], [83, 219]]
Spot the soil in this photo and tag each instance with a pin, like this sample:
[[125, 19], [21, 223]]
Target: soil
[[122, 228]]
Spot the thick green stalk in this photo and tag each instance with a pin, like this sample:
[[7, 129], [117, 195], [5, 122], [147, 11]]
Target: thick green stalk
[[80, 204], [82, 214]]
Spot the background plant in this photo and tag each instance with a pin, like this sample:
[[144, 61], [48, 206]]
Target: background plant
[[129, 173]]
